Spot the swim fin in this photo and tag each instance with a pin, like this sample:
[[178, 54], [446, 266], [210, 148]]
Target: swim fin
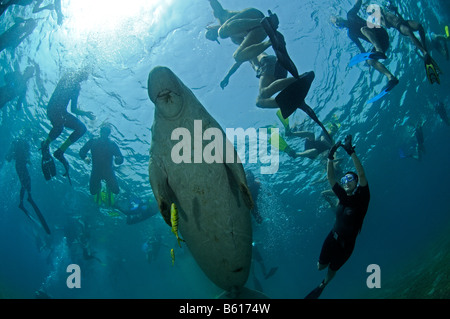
[[391, 84], [446, 32], [282, 144], [432, 69], [366, 56], [293, 96], [270, 25], [39, 215], [283, 121], [316, 292], [271, 272], [59, 155], [48, 164]]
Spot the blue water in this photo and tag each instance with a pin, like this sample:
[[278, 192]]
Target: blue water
[[409, 199]]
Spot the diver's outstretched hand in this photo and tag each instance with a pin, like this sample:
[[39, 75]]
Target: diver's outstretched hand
[[347, 146], [333, 150]]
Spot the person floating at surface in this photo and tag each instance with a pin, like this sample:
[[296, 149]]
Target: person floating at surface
[[12, 37], [439, 43], [353, 204], [103, 151], [420, 146], [313, 147], [358, 29], [249, 28], [20, 153], [390, 18], [440, 109], [244, 29], [16, 86], [67, 90]]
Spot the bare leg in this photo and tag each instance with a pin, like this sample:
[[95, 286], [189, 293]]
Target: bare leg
[[368, 32], [276, 86], [381, 68], [311, 154], [418, 27], [252, 46], [409, 32]]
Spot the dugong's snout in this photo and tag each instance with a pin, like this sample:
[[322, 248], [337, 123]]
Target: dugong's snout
[[165, 91]]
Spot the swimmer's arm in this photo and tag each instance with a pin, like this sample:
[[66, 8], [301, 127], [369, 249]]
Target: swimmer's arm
[[232, 70], [85, 149], [118, 154], [359, 170], [354, 11], [330, 173], [75, 110]]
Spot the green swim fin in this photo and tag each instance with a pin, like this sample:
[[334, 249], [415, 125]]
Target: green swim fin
[[283, 121], [446, 31], [432, 70], [282, 144]]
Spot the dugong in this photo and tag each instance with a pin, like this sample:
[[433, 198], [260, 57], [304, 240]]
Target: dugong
[[213, 199]]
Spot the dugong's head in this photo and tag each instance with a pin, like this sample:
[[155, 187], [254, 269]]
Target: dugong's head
[[166, 91]]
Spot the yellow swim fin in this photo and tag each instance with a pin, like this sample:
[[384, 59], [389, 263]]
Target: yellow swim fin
[[283, 121], [432, 70], [446, 31], [282, 144]]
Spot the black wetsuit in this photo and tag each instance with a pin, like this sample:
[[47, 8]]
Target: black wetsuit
[[103, 150], [16, 86], [140, 213], [66, 91], [319, 145], [350, 213], [356, 23]]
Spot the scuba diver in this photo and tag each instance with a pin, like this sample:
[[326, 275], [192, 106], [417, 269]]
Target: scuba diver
[[103, 151], [20, 152], [12, 37], [67, 90], [353, 204], [391, 18], [358, 29], [16, 86]]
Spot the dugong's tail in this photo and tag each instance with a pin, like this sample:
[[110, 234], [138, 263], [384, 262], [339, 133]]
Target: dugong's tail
[[242, 293]]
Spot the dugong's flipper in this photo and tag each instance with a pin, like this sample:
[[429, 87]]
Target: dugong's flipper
[[161, 189]]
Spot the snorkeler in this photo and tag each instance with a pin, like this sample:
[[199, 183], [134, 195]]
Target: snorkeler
[[20, 153], [378, 37], [254, 185], [440, 109], [16, 86], [248, 29], [439, 42], [103, 151], [391, 18], [67, 90], [353, 204], [12, 37]]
